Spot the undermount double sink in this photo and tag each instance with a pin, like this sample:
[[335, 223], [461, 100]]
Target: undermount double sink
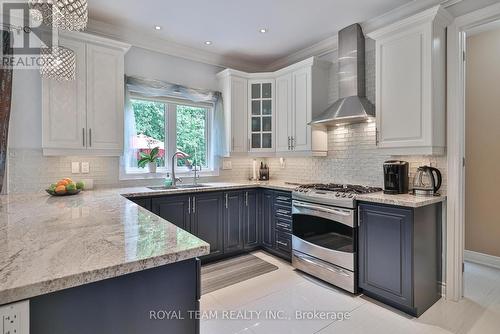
[[180, 186]]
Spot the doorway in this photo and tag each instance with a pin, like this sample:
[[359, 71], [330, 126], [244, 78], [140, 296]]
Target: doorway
[[458, 166], [482, 155]]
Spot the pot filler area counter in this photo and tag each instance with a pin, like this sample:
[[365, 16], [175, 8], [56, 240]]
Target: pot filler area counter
[[106, 261]]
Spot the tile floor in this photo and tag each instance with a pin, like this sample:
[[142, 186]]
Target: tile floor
[[285, 291]]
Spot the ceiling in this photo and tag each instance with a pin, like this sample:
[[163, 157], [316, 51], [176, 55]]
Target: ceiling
[[233, 25]]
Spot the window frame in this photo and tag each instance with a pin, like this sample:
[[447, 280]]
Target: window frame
[[127, 173]]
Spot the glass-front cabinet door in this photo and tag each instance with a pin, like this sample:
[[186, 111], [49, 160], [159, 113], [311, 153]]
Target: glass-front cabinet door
[[261, 124]]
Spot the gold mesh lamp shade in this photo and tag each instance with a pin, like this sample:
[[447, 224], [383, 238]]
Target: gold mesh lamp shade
[[63, 14], [58, 63]]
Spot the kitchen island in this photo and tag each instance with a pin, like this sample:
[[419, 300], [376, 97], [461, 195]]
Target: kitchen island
[[96, 263]]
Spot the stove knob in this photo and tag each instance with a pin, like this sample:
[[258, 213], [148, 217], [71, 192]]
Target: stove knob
[[351, 195], [337, 195], [344, 195]]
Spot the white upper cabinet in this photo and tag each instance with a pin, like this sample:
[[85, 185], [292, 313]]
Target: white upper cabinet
[[85, 116], [64, 112], [302, 93], [235, 96], [261, 115], [272, 114], [284, 102], [105, 98], [411, 84]]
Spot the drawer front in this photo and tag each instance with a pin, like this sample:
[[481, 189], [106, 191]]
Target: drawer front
[[284, 225], [283, 212], [284, 242], [283, 198]]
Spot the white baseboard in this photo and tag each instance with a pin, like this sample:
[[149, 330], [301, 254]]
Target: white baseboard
[[480, 258], [442, 286]]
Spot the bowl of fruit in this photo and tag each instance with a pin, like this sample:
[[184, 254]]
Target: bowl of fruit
[[65, 187]]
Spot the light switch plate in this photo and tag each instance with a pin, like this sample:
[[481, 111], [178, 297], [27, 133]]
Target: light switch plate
[[227, 164], [85, 167], [75, 168]]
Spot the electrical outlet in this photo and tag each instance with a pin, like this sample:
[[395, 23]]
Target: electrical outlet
[[75, 168], [227, 164], [85, 167], [15, 318]]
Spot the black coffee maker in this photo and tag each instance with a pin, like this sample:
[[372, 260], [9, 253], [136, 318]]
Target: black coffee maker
[[396, 177]]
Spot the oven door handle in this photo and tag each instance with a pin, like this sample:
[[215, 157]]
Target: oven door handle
[[316, 263], [344, 213]]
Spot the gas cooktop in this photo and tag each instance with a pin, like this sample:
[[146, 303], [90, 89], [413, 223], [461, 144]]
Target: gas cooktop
[[332, 194]]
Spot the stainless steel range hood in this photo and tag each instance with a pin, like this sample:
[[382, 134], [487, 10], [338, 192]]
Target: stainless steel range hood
[[352, 106]]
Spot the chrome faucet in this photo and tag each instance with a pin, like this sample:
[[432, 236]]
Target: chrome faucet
[[178, 154]]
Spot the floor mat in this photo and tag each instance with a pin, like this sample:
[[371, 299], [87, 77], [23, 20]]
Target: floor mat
[[218, 275]]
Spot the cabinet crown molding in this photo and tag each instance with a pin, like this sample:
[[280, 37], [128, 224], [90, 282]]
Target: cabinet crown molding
[[435, 14], [89, 38], [309, 62]]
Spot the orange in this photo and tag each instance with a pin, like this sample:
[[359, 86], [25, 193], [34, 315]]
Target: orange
[[62, 183], [61, 189], [67, 179]]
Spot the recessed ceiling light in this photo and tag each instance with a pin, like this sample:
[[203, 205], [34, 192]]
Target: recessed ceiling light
[[157, 28], [208, 42], [263, 30]]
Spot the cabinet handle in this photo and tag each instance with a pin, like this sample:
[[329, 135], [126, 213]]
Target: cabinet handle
[[90, 137], [283, 212], [246, 198], [189, 205], [289, 143], [232, 143], [282, 243], [83, 135], [227, 201], [293, 143], [376, 137], [283, 226], [194, 204]]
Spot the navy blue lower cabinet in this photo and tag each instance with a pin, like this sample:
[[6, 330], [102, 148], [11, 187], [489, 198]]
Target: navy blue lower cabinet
[[154, 301], [267, 217], [251, 227], [399, 251], [144, 202], [207, 220], [175, 209], [233, 221]]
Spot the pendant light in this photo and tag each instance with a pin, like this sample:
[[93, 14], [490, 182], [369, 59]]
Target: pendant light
[[58, 63], [62, 14]]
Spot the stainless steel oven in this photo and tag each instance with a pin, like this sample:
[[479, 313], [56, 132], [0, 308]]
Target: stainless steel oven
[[324, 242]]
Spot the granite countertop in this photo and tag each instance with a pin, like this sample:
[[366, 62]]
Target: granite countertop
[[207, 186], [53, 243], [407, 200]]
